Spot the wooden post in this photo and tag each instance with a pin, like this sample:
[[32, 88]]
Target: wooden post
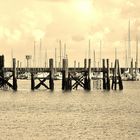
[[1, 65], [14, 75], [132, 69], [66, 83], [32, 81], [2, 69], [51, 80], [135, 70], [85, 74], [115, 75], [119, 77], [104, 82], [89, 75], [116, 79], [70, 82], [108, 78]]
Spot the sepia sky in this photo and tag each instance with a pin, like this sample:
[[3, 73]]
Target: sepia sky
[[73, 21]]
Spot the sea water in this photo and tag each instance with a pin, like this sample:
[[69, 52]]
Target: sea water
[[76, 115]]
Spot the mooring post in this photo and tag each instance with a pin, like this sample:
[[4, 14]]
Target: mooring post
[[116, 79], [119, 77], [85, 74], [66, 84], [2, 70], [14, 75], [51, 80], [89, 75], [108, 78], [115, 74], [136, 69], [131, 72], [104, 71], [32, 81]]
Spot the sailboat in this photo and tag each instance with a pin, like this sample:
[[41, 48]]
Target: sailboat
[[132, 74]]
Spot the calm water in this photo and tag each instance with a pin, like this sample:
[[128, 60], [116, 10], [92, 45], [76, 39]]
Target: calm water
[[78, 115]]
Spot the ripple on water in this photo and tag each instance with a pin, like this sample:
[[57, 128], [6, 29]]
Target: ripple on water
[[42, 115]]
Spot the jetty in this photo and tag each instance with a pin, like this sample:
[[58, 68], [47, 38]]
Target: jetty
[[71, 77]]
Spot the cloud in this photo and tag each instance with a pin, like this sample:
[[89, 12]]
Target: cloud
[[38, 34], [55, 0], [25, 21], [78, 38]]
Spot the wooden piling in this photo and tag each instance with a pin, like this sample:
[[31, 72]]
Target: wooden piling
[[66, 81], [2, 70], [51, 80], [116, 79], [104, 81], [85, 74], [119, 77], [89, 75], [32, 82], [108, 78], [2, 65], [14, 75], [131, 71]]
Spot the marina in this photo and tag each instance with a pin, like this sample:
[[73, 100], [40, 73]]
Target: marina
[[69, 70]]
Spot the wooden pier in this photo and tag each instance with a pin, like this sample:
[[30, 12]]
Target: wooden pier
[[72, 78]]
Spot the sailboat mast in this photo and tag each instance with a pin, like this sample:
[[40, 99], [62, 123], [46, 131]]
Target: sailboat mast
[[89, 44], [55, 58], [65, 51], [40, 58], [137, 44], [126, 55], [34, 60], [60, 45], [94, 59], [100, 53], [12, 57], [115, 53], [46, 59], [129, 44]]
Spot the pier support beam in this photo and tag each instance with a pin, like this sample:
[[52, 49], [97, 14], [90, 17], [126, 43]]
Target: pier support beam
[[32, 81], [51, 79], [106, 78], [2, 83], [66, 80], [42, 80], [87, 80], [4, 80], [116, 79], [14, 75]]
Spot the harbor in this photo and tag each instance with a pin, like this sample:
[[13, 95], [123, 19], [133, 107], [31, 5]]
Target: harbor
[[69, 70]]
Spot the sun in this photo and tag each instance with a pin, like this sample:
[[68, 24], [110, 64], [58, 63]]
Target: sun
[[84, 6]]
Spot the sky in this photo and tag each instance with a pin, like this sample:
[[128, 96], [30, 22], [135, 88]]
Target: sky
[[74, 22]]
